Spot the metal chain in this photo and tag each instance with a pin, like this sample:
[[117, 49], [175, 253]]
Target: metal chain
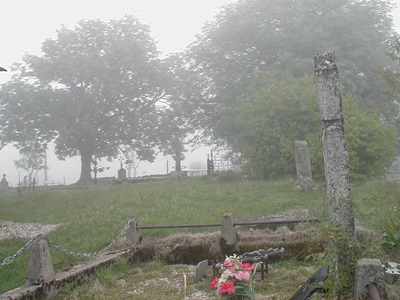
[[10, 259], [68, 252]]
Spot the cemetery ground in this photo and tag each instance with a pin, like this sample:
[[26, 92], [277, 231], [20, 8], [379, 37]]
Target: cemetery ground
[[89, 219]]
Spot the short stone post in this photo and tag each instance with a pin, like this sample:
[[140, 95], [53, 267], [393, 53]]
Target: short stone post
[[335, 153], [40, 269], [229, 236], [369, 272], [132, 232], [303, 165]]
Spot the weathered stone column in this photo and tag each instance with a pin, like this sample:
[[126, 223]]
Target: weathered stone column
[[303, 165], [40, 268], [369, 271], [335, 153], [229, 236]]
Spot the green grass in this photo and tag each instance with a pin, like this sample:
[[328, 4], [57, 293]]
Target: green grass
[[92, 218]]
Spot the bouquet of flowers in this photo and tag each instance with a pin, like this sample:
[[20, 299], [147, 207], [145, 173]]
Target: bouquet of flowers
[[236, 280]]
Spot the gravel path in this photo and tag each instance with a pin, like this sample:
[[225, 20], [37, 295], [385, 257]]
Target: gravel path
[[24, 230]]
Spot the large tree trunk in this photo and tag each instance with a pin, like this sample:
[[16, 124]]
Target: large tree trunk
[[178, 166], [86, 160]]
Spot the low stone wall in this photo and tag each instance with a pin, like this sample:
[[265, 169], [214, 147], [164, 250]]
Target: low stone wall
[[72, 277]]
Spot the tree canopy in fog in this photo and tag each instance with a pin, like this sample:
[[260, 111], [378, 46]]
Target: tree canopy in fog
[[392, 77], [283, 36], [94, 88]]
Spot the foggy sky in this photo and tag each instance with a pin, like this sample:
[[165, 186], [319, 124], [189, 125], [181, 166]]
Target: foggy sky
[[25, 24]]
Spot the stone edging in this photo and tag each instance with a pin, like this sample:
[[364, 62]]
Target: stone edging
[[74, 276]]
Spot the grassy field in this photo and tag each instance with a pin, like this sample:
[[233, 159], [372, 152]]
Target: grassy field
[[91, 218]]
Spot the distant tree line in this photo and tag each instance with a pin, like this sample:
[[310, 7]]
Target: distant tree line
[[245, 83]]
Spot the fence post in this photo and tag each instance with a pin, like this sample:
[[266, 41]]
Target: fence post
[[132, 232], [229, 236], [40, 269]]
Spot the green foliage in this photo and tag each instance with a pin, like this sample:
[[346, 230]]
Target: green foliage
[[280, 113], [392, 78], [285, 110], [371, 143], [391, 237], [392, 75], [385, 218]]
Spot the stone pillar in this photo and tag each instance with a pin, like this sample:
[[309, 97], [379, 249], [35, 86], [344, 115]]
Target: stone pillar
[[335, 153], [40, 269], [369, 271], [132, 233], [303, 165], [229, 236]]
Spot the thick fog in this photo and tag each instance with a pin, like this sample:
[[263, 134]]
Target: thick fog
[[26, 24]]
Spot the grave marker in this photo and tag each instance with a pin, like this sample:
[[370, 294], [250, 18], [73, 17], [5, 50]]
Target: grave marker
[[303, 165]]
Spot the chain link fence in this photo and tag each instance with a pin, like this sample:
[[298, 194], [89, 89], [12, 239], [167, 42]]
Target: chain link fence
[[8, 260]]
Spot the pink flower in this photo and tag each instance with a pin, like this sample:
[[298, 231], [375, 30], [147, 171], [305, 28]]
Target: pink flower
[[247, 266], [229, 264], [242, 276], [227, 287], [214, 283]]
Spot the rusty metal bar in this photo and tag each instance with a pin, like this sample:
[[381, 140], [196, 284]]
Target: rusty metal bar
[[373, 291], [235, 224]]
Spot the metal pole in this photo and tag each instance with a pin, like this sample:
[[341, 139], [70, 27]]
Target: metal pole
[[235, 224], [373, 291]]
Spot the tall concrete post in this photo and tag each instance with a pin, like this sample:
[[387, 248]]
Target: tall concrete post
[[335, 153], [40, 269]]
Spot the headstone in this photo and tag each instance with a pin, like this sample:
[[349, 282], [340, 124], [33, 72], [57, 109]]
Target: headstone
[[336, 159], [3, 183], [369, 271], [40, 268], [201, 270], [303, 165], [132, 232], [229, 236], [122, 173]]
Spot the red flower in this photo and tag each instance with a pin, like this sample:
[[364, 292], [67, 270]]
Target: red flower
[[227, 287], [247, 266], [214, 283]]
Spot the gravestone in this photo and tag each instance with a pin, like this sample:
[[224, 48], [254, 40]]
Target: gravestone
[[336, 159], [303, 165], [201, 270], [122, 173], [4, 183]]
